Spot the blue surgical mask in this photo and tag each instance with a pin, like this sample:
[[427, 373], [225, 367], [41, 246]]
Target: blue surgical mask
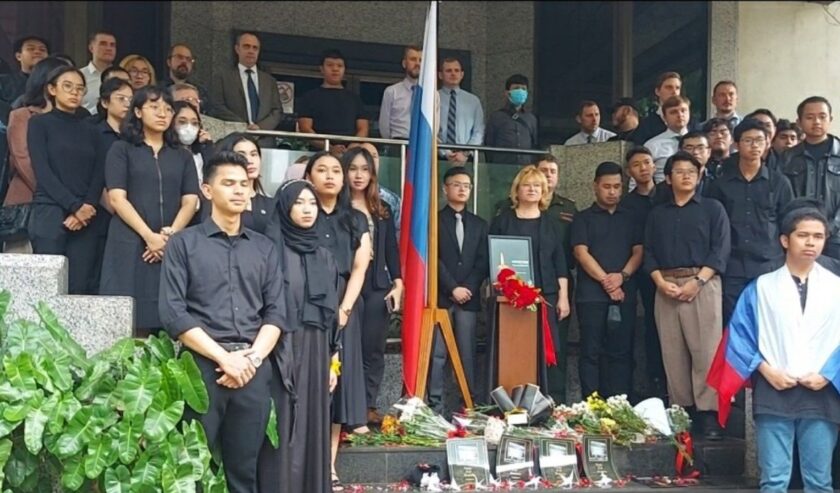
[[517, 97]]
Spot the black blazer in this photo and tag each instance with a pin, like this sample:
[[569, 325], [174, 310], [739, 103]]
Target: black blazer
[[467, 268], [386, 254], [552, 260]]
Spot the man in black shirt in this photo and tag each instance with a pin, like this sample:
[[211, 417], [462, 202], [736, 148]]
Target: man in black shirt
[[695, 143], [512, 126], [221, 296], [753, 196], [687, 243], [29, 50], [332, 109], [608, 247], [719, 133], [813, 166], [640, 167]]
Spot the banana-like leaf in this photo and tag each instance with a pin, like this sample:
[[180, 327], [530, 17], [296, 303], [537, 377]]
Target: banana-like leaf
[[214, 483], [20, 372], [36, 420], [128, 434], [101, 453], [58, 368], [92, 380], [67, 406], [138, 389], [161, 347], [60, 334], [147, 470], [189, 380], [271, 428], [20, 467], [161, 420], [6, 427], [177, 479], [5, 451], [73, 476], [78, 432], [118, 480]]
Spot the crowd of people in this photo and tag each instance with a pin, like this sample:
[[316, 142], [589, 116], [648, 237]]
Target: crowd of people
[[287, 298]]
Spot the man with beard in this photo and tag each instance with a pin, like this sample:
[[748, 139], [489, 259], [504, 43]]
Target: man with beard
[[395, 112], [181, 64]]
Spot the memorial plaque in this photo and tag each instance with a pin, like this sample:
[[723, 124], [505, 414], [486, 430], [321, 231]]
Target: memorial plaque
[[598, 460], [558, 461], [468, 461], [515, 459]]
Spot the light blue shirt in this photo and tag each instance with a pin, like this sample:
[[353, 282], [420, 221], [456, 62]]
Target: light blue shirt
[[469, 117], [395, 112], [599, 135]]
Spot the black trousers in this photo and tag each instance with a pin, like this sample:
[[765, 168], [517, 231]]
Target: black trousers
[[463, 324], [653, 349], [606, 355], [236, 422], [732, 288], [374, 333], [82, 248]]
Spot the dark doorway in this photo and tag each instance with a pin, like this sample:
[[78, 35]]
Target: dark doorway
[[141, 28]]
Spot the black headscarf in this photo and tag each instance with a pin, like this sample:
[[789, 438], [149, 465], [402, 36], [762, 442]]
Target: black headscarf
[[320, 298]]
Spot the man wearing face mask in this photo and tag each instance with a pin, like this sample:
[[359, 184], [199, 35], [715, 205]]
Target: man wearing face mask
[[512, 126]]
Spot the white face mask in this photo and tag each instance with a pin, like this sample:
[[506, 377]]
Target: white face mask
[[187, 134]]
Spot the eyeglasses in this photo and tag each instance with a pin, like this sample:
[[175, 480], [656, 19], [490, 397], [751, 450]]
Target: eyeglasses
[[156, 108], [757, 141], [68, 86], [184, 58], [701, 147], [461, 185], [137, 71], [125, 100]]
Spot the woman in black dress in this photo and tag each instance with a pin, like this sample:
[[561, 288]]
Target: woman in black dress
[[153, 188], [531, 197], [383, 288], [65, 211], [343, 230], [304, 352], [261, 207]]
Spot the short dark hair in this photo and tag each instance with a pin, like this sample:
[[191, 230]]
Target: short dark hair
[[243, 33], [451, 59], [67, 58], [35, 93], [551, 158], [681, 156], [94, 34], [724, 83], [812, 99], [694, 134], [586, 103], [636, 150], [110, 70], [713, 123], [177, 106], [763, 111], [53, 76], [455, 171], [747, 125], [223, 158], [516, 79], [332, 53], [675, 101], [411, 47], [607, 168], [665, 76], [229, 142], [18, 46], [107, 88], [624, 102], [132, 127], [784, 125], [801, 209]]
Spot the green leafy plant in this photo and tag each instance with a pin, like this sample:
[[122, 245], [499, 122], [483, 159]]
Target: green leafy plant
[[112, 423]]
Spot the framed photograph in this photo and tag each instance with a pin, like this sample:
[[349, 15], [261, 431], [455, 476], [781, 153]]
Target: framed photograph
[[468, 460], [513, 252], [558, 461], [515, 459], [598, 460]]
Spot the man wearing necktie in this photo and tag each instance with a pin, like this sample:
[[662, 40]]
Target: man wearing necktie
[[245, 93], [589, 119], [462, 268], [464, 122]]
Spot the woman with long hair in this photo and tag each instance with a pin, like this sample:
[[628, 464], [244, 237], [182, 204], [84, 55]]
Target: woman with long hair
[[153, 188], [69, 182], [383, 287], [530, 198], [343, 230], [191, 135], [304, 353], [261, 208], [33, 102]]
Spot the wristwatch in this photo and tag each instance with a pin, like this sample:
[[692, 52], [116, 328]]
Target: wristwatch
[[625, 276], [700, 281], [255, 360]]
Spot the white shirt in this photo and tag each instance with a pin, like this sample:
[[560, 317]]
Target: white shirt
[[599, 135], [244, 77], [93, 81], [395, 112], [662, 147]]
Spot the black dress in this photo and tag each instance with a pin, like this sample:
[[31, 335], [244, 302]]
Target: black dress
[[155, 186], [341, 234], [549, 265], [302, 463]]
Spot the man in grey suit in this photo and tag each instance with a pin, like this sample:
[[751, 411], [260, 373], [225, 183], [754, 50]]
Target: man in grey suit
[[245, 93]]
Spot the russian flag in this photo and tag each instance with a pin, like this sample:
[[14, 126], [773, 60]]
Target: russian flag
[[414, 241]]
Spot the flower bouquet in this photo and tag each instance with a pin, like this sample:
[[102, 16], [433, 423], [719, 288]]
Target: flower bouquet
[[596, 416], [520, 295]]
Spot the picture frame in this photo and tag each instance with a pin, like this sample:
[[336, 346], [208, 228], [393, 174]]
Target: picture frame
[[598, 461], [514, 252], [558, 461], [468, 461], [515, 459]]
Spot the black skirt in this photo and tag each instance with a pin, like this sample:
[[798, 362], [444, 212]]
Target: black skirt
[[349, 402]]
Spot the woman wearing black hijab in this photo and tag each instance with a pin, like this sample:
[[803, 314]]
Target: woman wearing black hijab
[[304, 354]]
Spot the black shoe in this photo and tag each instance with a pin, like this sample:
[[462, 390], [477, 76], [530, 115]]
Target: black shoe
[[712, 429]]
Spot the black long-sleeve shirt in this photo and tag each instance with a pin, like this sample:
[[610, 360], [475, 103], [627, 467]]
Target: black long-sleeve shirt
[[693, 235], [63, 152], [230, 286], [754, 208]]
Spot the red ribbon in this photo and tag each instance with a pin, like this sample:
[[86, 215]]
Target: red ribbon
[[548, 341], [687, 442]]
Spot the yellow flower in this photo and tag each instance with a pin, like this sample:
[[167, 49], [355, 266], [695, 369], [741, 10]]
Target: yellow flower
[[608, 423]]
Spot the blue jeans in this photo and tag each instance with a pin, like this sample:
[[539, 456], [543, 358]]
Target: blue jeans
[[815, 438]]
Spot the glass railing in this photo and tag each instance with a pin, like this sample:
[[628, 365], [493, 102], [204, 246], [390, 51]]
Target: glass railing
[[492, 168]]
